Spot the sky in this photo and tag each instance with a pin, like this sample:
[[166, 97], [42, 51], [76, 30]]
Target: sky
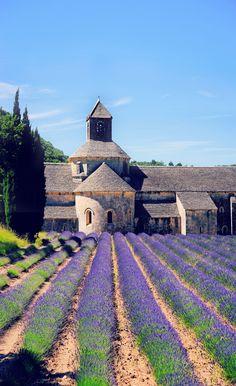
[[165, 69]]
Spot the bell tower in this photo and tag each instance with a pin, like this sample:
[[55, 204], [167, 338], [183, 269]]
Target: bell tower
[[99, 124]]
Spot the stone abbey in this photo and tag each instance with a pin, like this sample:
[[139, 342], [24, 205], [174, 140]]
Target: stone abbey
[[99, 190]]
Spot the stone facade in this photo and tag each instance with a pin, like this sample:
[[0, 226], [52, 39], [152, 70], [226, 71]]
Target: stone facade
[[98, 190], [121, 205]]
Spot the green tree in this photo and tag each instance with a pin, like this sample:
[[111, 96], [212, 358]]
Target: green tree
[[16, 109], [10, 141], [171, 163], [52, 154]]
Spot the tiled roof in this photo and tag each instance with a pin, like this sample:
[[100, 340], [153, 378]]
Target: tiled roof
[[93, 149], [196, 200], [156, 210], [99, 111], [104, 179], [193, 179], [59, 178], [60, 212]]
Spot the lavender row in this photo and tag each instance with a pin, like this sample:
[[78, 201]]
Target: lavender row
[[14, 300], [53, 306], [221, 274], [154, 333], [218, 339], [206, 253], [215, 246], [223, 299], [96, 319]]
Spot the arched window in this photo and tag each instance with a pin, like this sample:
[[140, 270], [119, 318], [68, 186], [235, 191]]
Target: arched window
[[88, 217], [129, 213], [109, 217], [224, 230], [221, 209], [200, 230]]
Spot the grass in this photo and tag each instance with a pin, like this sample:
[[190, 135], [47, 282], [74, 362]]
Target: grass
[[10, 241]]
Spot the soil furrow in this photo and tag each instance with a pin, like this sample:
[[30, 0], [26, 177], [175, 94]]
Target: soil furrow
[[130, 365], [205, 368], [63, 362]]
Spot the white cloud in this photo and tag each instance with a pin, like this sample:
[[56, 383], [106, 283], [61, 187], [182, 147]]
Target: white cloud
[[207, 93], [65, 122], [7, 90], [122, 101], [45, 114]]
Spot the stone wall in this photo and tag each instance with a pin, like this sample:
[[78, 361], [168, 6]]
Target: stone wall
[[60, 199], [59, 225], [201, 221], [121, 205], [160, 225], [222, 201], [159, 197]]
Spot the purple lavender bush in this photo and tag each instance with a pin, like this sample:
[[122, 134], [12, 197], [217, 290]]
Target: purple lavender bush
[[219, 273], [223, 299], [155, 335], [218, 339], [53, 306], [14, 300], [96, 319]]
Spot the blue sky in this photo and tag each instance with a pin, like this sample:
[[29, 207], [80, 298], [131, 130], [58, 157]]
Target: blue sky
[[166, 70]]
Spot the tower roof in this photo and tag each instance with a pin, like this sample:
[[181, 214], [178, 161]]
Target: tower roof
[[104, 179], [99, 111], [97, 149]]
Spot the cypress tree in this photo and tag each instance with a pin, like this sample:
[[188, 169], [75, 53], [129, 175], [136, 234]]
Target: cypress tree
[[38, 184], [10, 141], [16, 109], [23, 178]]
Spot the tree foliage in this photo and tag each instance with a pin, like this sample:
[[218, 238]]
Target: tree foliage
[[52, 154], [22, 171]]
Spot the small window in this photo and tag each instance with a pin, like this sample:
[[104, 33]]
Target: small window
[[88, 217], [224, 230], [109, 217], [221, 209], [200, 230], [129, 216]]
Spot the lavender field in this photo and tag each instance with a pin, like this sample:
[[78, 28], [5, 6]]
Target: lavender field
[[119, 310]]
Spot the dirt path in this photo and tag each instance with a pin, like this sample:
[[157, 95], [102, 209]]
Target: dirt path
[[63, 362], [11, 341], [130, 365], [205, 368]]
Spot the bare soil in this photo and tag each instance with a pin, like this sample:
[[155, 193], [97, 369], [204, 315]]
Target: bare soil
[[131, 367], [205, 368], [63, 362]]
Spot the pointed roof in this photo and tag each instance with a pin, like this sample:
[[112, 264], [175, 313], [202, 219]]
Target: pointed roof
[[99, 111], [104, 179]]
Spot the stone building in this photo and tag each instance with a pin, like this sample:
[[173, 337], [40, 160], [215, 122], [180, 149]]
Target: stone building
[[99, 190]]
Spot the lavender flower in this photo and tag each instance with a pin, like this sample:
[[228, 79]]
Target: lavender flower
[[96, 319], [154, 333], [218, 339], [53, 306]]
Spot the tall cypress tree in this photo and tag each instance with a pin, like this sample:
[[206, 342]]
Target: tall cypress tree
[[23, 178], [16, 108], [38, 184], [10, 141]]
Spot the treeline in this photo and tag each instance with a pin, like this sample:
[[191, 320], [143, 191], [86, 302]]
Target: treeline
[[154, 163], [21, 172]]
